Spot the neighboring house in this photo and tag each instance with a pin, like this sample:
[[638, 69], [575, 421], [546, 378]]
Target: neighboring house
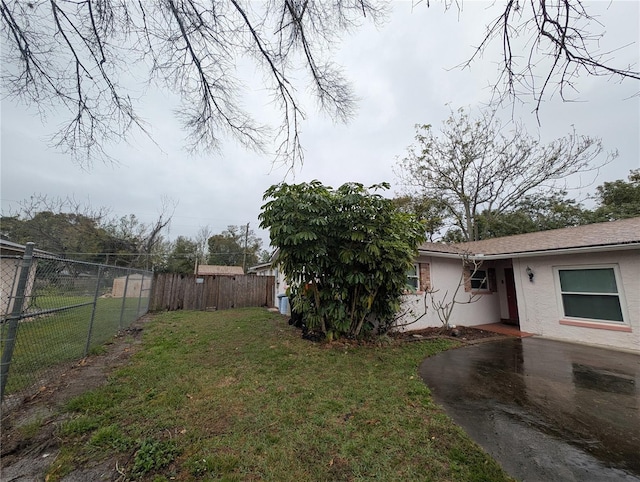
[[578, 284], [271, 269], [11, 255], [215, 270]]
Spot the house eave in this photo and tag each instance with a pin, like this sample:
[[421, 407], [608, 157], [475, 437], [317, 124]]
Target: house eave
[[261, 266], [535, 253]]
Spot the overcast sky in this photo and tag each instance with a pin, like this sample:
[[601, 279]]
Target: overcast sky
[[403, 73]]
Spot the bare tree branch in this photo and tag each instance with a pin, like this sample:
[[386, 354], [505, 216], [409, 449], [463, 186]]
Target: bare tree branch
[[90, 57], [79, 56], [477, 166], [560, 43]]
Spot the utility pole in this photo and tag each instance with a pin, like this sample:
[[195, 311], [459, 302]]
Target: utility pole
[[246, 242]]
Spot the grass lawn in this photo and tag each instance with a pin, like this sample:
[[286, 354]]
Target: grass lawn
[[46, 342], [238, 395]]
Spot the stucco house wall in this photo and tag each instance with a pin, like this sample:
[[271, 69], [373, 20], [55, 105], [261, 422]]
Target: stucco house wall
[[540, 304], [445, 276], [536, 305]]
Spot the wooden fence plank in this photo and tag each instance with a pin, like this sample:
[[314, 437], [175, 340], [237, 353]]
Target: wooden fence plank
[[173, 291]]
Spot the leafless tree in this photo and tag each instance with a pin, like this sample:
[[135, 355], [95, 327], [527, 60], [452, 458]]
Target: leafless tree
[[479, 165], [90, 58], [547, 45], [202, 242], [27, 209], [89, 55], [144, 241]]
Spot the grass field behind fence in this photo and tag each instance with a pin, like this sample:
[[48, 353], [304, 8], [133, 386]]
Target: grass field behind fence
[[49, 342], [238, 395]]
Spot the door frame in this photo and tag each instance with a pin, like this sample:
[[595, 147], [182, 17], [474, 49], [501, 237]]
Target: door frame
[[512, 298]]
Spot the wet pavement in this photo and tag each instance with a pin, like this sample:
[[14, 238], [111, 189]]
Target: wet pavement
[[545, 410]]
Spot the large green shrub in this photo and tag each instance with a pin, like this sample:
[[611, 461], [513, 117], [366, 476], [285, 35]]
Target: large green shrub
[[345, 253]]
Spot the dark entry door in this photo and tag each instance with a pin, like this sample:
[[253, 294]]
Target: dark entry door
[[512, 301]]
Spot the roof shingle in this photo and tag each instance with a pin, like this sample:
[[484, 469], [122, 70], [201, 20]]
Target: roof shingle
[[624, 231], [212, 269]]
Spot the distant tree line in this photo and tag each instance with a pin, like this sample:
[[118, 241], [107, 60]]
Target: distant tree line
[[235, 246], [68, 229], [90, 235]]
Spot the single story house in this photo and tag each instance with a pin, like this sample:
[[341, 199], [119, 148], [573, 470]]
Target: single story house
[[578, 284]]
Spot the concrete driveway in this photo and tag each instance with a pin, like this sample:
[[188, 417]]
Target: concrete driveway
[[546, 410]]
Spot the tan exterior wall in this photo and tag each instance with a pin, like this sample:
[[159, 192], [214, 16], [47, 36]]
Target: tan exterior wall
[[540, 305], [135, 286], [445, 277], [10, 272]]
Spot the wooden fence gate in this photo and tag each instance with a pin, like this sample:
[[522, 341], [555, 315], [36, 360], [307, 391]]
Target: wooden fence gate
[[173, 291]]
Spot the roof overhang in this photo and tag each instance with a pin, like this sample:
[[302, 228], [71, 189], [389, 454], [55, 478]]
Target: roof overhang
[[9, 248], [268, 265], [530, 254]]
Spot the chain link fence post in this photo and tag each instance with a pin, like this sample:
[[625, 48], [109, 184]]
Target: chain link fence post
[[140, 295], [14, 318], [96, 294], [124, 300]]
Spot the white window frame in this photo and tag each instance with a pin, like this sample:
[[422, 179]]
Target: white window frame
[[619, 294], [416, 277]]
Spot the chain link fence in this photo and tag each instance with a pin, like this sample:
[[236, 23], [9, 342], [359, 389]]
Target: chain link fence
[[57, 311]]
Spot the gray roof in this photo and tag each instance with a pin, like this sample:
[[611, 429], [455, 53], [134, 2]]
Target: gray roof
[[12, 249], [212, 269], [596, 236]]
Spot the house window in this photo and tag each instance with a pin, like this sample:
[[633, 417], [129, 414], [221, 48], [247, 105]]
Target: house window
[[479, 280], [590, 293], [412, 278]]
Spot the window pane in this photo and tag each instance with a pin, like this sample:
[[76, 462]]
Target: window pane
[[594, 307], [600, 280], [479, 284], [412, 278], [479, 280], [412, 284]]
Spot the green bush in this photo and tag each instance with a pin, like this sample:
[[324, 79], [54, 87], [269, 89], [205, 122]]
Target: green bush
[[345, 253]]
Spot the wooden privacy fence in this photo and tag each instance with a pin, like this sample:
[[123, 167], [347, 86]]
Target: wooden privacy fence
[[173, 291]]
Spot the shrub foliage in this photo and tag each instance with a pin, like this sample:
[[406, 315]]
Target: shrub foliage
[[345, 253]]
